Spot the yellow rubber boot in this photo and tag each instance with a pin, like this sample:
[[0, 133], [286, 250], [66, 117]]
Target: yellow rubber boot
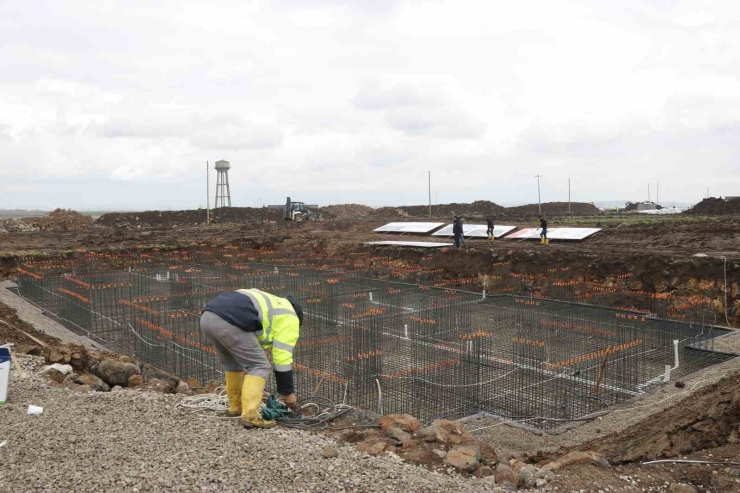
[[252, 391], [542, 241], [547, 241], [234, 380]]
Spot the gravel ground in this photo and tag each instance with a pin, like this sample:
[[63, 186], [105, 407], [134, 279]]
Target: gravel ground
[[132, 441], [34, 316]]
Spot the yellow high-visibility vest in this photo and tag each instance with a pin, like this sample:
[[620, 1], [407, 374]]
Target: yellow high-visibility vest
[[280, 326]]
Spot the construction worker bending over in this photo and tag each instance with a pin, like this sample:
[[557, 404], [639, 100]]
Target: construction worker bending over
[[543, 234], [240, 325], [489, 227]]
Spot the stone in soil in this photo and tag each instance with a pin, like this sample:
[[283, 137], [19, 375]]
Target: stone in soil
[[444, 431], [156, 385], [403, 422], [371, 449], [329, 451], [464, 458], [505, 474], [528, 476], [211, 387], [115, 372], [93, 381], [400, 435]]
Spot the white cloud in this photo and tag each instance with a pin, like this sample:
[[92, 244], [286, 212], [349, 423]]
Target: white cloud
[[357, 101]]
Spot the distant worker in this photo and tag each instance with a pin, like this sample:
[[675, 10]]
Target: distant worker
[[457, 231], [543, 233], [489, 227], [240, 325]]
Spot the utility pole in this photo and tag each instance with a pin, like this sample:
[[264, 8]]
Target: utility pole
[[648, 192], [657, 195], [208, 195], [568, 195], [539, 203], [430, 194]]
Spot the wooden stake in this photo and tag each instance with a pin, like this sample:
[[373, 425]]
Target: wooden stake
[[21, 373], [609, 351], [37, 341]]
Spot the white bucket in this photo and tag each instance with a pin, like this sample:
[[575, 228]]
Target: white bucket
[[4, 373]]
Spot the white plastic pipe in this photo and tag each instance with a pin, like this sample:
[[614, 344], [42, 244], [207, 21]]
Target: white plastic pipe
[[405, 331], [675, 353], [484, 294], [667, 374]]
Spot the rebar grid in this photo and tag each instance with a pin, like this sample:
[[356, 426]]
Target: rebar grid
[[388, 346]]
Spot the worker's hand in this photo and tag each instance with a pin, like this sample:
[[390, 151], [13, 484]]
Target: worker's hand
[[289, 401]]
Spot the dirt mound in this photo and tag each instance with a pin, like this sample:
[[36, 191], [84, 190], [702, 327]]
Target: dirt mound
[[551, 208], [12, 328], [189, 217], [479, 208], [62, 220], [709, 418], [345, 211], [714, 205], [57, 220]]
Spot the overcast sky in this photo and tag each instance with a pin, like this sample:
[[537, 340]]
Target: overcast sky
[[107, 104]]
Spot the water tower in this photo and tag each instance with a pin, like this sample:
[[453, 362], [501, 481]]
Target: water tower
[[222, 184]]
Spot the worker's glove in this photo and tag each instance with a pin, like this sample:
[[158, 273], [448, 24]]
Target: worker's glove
[[289, 401]]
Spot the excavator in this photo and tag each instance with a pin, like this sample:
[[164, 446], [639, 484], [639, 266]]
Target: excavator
[[297, 211]]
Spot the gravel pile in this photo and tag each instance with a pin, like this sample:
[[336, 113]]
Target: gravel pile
[[16, 225], [133, 441]]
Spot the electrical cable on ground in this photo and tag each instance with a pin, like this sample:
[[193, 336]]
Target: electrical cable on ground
[[685, 461], [325, 411], [515, 419], [321, 410]]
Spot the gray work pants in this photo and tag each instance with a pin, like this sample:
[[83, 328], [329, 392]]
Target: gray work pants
[[237, 349]]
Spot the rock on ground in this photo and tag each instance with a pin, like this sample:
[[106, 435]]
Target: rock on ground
[[463, 458], [114, 372], [129, 441]]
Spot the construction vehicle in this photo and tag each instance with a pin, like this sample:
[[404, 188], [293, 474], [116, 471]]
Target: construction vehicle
[[297, 211]]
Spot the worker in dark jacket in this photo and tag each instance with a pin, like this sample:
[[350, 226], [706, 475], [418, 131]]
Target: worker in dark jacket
[[457, 232], [489, 227], [240, 325], [543, 233]]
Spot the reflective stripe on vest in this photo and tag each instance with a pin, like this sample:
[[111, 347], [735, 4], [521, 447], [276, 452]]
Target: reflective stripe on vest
[[283, 346]]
